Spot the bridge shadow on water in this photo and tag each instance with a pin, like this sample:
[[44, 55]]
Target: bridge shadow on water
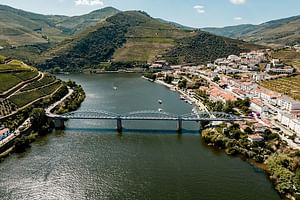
[[132, 131]]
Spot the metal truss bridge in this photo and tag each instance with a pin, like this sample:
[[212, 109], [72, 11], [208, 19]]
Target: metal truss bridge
[[143, 115]]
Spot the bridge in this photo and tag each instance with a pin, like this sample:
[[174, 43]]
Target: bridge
[[142, 115]]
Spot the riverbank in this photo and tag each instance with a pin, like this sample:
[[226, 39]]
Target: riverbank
[[268, 155], [27, 132], [71, 102]]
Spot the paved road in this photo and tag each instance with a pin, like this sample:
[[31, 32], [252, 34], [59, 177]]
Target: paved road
[[51, 107]]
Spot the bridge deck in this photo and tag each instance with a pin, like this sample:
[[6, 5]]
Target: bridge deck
[[147, 115]]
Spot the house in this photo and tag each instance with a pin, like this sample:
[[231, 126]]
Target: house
[[259, 128], [159, 65], [258, 106], [4, 132], [217, 94], [234, 58], [290, 121], [255, 138], [286, 103]]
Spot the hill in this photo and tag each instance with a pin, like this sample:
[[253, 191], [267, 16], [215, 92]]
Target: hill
[[22, 86], [205, 47], [19, 28], [273, 33], [134, 38]]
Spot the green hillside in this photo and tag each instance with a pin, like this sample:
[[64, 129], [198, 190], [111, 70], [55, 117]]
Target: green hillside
[[273, 33], [80, 23], [205, 47], [134, 38], [21, 86], [119, 39], [127, 37], [21, 28]]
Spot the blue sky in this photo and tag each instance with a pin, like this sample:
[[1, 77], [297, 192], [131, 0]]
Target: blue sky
[[195, 13]]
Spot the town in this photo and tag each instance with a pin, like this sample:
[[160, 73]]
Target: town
[[239, 77]]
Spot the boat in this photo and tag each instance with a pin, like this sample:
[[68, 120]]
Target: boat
[[160, 110], [182, 97], [115, 88], [159, 101]]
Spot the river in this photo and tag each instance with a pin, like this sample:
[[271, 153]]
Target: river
[[89, 160]]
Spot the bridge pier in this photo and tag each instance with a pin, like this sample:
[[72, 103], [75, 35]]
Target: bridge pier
[[119, 124], [179, 125], [59, 124]]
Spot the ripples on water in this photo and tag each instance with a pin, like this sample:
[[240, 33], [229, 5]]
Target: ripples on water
[[89, 160]]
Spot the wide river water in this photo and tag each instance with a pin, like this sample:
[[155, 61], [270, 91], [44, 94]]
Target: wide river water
[[89, 160]]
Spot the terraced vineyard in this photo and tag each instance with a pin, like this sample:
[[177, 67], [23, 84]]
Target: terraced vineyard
[[14, 65], [46, 80], [288, 86], [24, 98], [13, 73], [6, 107]]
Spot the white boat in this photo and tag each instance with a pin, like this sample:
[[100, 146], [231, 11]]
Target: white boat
[[159, 101], [182, 97], [160, 110], [115, 88]]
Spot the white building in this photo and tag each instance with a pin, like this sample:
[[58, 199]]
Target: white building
[[289, 121], [288, 104], [258, 106]]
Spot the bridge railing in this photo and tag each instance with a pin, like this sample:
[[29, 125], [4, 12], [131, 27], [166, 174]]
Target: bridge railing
[[149, 115]]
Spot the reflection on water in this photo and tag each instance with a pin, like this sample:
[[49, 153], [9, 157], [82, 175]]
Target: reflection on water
[[89, 160]]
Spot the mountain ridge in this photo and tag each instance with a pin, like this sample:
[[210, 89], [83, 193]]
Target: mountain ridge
[[274, 33]]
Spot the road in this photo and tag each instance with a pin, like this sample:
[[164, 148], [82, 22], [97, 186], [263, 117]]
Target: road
[[51, 107]]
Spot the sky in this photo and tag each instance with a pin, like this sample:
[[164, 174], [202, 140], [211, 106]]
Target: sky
[[193, 13]]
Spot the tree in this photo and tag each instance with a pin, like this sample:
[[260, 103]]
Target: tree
[[228, 107], [38, 118], [182, 84], [168, 79], [216, 79], [248, 130]]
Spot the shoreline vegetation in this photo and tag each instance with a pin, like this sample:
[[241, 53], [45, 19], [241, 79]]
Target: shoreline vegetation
[[272, 155], [40, 124]]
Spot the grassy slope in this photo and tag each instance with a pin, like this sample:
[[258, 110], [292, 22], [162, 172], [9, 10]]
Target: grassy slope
[[135, 37], [38, 89], [290, 57], [149, 39], [274, 33], [77, 24], [130, 36], [8, 80], [290, 85], [21, 99], [20, 28]]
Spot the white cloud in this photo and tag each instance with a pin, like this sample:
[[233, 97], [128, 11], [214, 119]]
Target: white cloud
[[89, 3], [199, 8], [238, 2], [238, 18]]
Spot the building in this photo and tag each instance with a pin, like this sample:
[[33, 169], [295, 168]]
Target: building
[[4, 132], [288, 104], [255, 138], [290, 121], [218, 94], [159, 66], [258, 106]]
